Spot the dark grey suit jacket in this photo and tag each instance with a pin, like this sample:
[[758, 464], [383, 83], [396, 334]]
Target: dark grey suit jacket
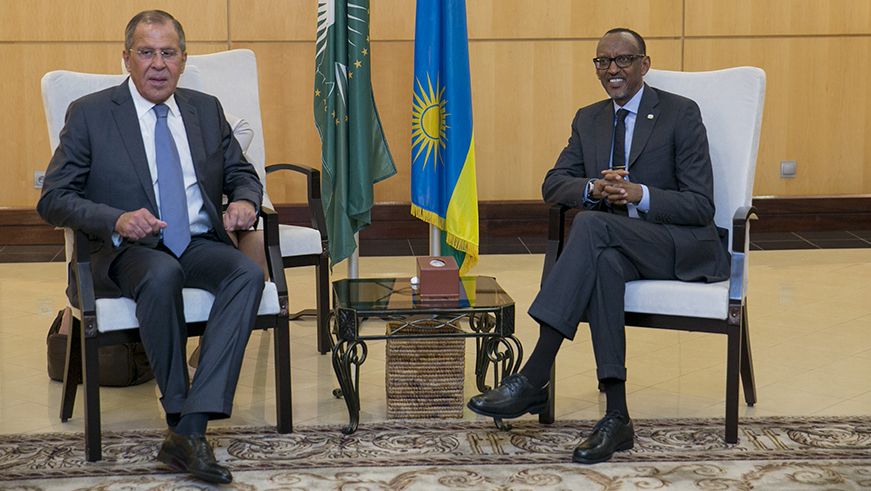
[[670, 156], [100, 171]]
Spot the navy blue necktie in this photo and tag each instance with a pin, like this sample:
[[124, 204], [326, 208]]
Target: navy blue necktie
[[170, 184], [618, 161]]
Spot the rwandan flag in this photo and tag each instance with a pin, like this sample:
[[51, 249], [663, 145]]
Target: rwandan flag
[[354, 152], [443, 187]]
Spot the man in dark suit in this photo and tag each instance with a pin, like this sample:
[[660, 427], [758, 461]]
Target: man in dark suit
[[639, 163], [141, 169]]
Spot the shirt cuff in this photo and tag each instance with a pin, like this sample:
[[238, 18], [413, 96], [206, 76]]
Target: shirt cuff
[[644, 204]]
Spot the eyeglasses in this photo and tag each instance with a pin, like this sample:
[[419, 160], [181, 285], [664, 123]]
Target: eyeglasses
[[147, 54], [622, 61]]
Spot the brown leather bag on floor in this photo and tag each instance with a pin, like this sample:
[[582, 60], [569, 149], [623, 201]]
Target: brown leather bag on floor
[[120, 365]]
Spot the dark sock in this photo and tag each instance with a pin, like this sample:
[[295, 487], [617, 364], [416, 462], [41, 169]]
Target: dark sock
[[615, 394], [192, 424], [172, 419], [537, 369]]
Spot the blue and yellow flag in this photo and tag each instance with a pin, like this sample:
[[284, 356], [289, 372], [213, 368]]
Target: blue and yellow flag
[[354, 152], [443, 187]]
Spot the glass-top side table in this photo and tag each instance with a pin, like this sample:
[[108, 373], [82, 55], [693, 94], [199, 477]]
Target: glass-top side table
[[483, 311]]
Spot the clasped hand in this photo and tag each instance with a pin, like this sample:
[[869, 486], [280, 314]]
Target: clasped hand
[[617, 190], [136, 225]]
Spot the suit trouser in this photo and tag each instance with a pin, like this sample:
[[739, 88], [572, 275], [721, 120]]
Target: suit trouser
[[154, 278], [602, 253]]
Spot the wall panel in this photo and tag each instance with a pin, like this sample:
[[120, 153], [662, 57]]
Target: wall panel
[[24, 147], [286, 77], [530, 69], [562, 19], [777, 17], [104, 20], [276, 20], [537, 19], [818, 117]]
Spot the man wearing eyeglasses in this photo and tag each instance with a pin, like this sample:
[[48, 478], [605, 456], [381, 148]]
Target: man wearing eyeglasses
[[638, 162], [141, 169]]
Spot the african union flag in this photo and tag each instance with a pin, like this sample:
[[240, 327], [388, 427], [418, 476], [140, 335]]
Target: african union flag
[[354, 153], [443, 188]]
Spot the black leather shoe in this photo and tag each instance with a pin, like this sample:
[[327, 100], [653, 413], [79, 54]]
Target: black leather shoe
[[609, 435], [514, 397], [193, 454]]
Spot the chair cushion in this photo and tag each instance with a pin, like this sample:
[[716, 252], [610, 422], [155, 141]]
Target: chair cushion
[[115, 314], [690, 299], [299, 241]]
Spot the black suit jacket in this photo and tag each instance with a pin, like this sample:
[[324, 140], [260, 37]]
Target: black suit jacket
[[670, 156], [100, 171]]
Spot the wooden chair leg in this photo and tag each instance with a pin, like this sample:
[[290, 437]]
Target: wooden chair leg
[[72, 370], [322, 270], [733, 365], [283, 398], [91, 383], [548, 416], [747, 375]]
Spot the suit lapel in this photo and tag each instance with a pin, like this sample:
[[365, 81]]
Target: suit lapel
[[644, 123], [124, 113], [604, 137], [191, 118]]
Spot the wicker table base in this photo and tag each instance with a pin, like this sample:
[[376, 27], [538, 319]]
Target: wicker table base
[[424, 377]]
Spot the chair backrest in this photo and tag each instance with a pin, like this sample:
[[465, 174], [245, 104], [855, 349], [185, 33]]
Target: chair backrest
[[62, 87], [231, 76], [731, 102]]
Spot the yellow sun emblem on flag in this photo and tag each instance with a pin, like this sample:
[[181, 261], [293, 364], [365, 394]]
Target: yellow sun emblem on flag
[[428, 121]]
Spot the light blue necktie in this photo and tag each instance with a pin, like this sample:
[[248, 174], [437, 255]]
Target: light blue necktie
[[170, 184]]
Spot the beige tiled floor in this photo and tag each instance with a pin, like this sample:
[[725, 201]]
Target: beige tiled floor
[[810, 329]]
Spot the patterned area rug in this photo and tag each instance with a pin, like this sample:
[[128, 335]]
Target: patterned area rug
[[773, 454]]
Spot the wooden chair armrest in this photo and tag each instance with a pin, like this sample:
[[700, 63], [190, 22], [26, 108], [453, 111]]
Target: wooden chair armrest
[[272, 246], [741, 228], [740, 245], [84, 282], [313, 180]]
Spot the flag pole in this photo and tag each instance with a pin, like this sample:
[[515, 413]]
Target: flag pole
[[435, 241], [354, 259]]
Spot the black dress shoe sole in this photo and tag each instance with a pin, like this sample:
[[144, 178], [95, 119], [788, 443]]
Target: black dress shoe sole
[[537, 409], [623, 446], [177, 464]]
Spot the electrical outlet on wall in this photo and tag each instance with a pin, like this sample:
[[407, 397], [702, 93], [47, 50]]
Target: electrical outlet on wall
[[787, 168], [38, 177]]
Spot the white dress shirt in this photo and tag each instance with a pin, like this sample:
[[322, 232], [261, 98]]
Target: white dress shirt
[[199, 219], [629, 122], [632, 107]]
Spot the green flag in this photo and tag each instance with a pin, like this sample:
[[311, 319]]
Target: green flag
[[354, 152]]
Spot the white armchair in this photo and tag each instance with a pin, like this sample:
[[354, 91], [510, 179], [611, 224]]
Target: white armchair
[[731, 103], [109, 321], [231, 76]]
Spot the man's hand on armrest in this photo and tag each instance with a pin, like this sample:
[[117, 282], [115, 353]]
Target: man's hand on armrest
[[137, 225], [240, 215]]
